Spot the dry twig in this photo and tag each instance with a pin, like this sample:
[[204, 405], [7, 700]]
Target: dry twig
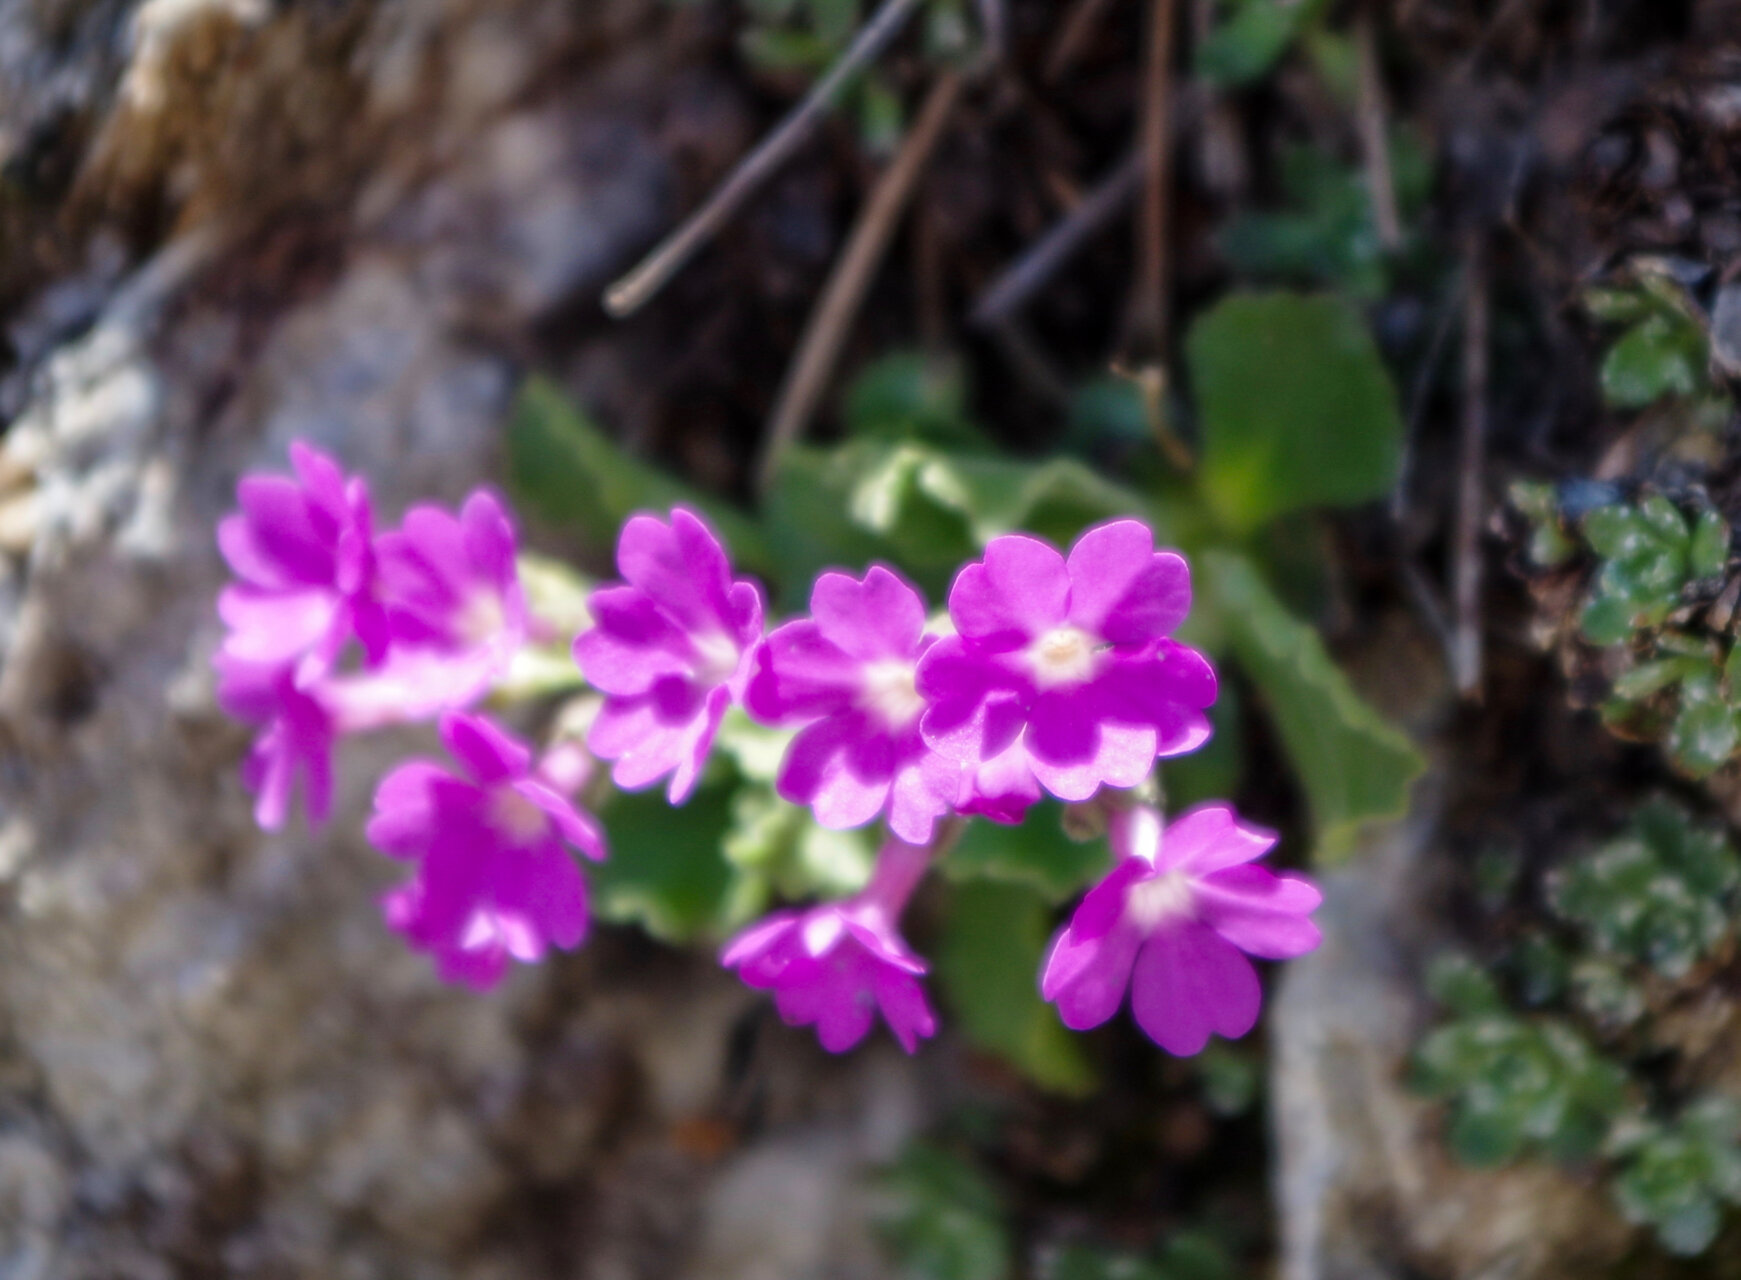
[[1373, 123], [1018, 282], [1146, 318], [636, 289], [1073, 36], [825, 331]]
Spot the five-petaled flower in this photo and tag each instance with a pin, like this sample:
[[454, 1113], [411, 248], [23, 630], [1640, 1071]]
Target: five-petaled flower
[[494, 876], [836, 965], [1069, 661], [1174, 922], [670, 650], [846, 673]]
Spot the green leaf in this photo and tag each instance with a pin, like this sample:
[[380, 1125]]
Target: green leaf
[[1662, 355], [1245, 47], [1704, 735], [993, 942], [1297, 409], [912, 396], [1354, 766], [1037, 854], [1710, 549], [1607, 620], [666, 870], [563, 469]]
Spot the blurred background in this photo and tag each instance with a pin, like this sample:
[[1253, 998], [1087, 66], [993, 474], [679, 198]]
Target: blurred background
[[1414, 324]]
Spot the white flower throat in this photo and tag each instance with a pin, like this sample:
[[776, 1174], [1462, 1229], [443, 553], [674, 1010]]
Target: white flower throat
[[1063, 655], [891, 692], [1155, 902]]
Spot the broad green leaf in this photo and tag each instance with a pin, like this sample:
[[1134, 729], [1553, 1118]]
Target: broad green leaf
[[994, 938], [912, 396], [666, 870], [563, 469], [1037, 854], [1296, 407], [1244, 47], [1354, 766], [1662, 355]]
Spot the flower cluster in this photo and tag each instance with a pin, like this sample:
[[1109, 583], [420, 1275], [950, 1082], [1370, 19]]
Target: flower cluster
[[1052, 673], [435, 612]]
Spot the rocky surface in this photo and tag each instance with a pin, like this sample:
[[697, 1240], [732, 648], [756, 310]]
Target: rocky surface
[[338, 222]]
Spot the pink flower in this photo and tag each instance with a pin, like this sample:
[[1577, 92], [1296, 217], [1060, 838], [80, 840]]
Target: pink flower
[[494, 878], [295, 739], [302, 550], [1174, 922], [834, 966], [456, 612], [671, 650], [1069, 661], [847, 673]]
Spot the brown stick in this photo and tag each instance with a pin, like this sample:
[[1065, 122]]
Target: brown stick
[[1024, 277], [1073, 36], [831, 320], [1466, 657], [1146, 318], [1372, 121], [636, 289]]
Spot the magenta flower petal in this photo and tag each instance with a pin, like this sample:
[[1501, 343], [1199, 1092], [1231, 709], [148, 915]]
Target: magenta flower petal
[[1002, 788], [1087, 977], [454, 606], [1121, 590], [1211, 837], [632, 644], [302, 550], [1261, 913], [681, 565], [800, 674], [1020, 589], [494, 878], [850, 676], [1070, 658], [672, 650], [904, 1008], [818, 771], [1189, 982], [881, 617], [295, 738], [488, 753], [574, 824], [836, 965], [407, 813], [1183, 902], [1072, 759]]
